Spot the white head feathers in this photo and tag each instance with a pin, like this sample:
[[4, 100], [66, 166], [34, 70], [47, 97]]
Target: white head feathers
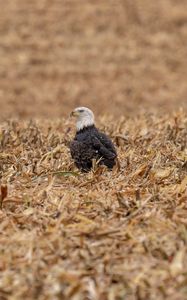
[[85, 117]]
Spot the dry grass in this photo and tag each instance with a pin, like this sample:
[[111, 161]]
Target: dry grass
[[103, 235], [114, 56]]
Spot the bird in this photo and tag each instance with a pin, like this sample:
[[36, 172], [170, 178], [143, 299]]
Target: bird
[[89, 143]]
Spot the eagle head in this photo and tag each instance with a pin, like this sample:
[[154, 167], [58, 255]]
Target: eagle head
[[84, 117]]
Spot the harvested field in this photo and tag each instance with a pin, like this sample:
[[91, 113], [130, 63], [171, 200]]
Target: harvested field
[[115, 56], [102, 235]]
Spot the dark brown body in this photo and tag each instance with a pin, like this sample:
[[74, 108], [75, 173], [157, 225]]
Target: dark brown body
[[88, 144]]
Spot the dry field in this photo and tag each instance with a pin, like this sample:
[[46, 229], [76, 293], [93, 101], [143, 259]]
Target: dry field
[[116, 56], [102, 235], [119, 235]]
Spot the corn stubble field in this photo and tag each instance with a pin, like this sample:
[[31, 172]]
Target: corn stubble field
[[102, 235], [106, 235]]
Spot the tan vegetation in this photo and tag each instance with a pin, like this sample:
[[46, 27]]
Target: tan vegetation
[[115, 56], [102, 235]]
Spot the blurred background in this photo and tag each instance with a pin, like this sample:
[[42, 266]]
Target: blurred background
[[115, 56]]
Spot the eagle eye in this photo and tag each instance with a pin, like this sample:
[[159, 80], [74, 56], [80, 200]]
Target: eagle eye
[[81, 110]]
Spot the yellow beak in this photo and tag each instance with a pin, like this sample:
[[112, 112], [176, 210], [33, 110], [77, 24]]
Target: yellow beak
[[74, 114]]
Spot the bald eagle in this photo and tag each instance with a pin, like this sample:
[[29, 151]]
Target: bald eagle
[[89, 143]]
